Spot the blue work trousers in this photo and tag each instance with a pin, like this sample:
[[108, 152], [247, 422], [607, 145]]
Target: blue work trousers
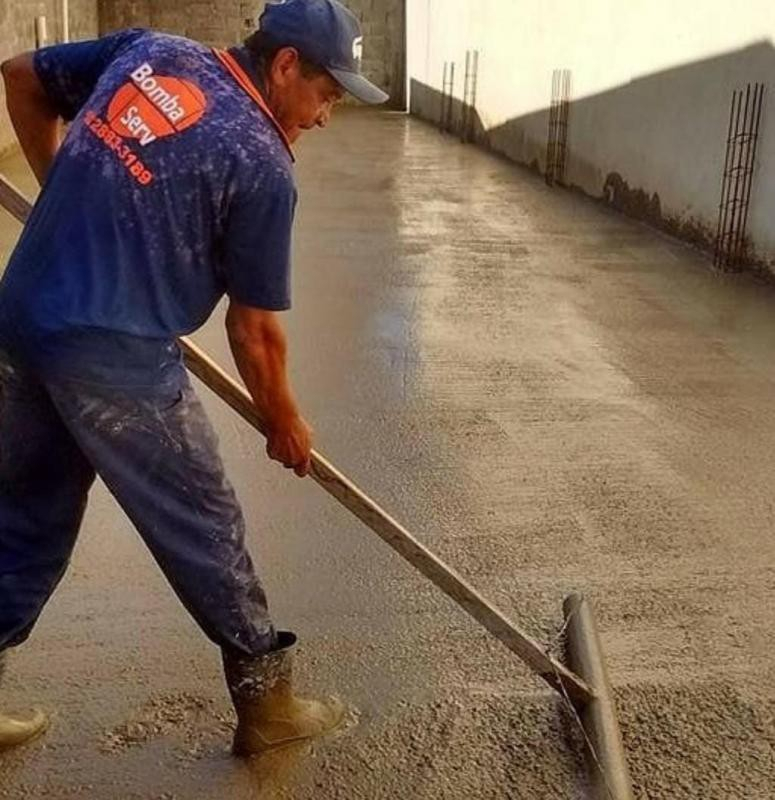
[[158, 455]]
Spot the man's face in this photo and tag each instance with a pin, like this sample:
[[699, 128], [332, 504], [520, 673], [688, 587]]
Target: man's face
[[300, 101]]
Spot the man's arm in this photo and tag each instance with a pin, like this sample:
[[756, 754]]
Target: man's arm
[[259, 347], [54, 83], [34, 117]]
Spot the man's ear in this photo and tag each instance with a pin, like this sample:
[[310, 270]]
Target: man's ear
[[285, 65]]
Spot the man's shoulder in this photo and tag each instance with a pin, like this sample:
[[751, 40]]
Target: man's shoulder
[[264, 163]]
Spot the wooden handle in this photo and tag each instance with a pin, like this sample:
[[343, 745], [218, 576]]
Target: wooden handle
[[390, 531], [13, 201]]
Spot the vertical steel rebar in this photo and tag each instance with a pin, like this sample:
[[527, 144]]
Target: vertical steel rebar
[[754, 150], [737, 103], [737, 181], [451, 96], [443, 96], [557, 138], [474, 93], [745, 195], [562, 154], [724, 186], [465, 109], [737, 194], [551, 135], [732, 143], [448, 85], [728, 211], [741, 179]]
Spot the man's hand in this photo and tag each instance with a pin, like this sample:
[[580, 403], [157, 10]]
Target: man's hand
[[291, 445], [258, 344], [34, 118]]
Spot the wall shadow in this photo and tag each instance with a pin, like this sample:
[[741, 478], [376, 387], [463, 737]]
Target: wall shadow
[[653, 149]]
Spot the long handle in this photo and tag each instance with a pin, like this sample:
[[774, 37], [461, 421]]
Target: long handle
[[390, 531]]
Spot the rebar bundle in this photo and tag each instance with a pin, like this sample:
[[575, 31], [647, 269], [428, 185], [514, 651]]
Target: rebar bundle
[[557, 142], [468, 123], [447, 96], [742, 138]]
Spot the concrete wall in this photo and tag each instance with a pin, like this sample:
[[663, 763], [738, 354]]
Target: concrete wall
[[17, 34], [225, 22], [651, 88], [215, 22]]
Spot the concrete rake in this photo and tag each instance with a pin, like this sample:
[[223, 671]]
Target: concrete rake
[[584, 686]]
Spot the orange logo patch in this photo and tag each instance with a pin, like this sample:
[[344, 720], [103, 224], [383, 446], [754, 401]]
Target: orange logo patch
[[152, 107]]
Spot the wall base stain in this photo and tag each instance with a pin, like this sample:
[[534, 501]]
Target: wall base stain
[[638, 204], [632, 202]]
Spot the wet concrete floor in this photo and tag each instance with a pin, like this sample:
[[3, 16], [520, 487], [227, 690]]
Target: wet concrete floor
[[553, 398]]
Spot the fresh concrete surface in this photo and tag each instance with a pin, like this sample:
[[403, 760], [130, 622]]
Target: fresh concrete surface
[[553, 398]]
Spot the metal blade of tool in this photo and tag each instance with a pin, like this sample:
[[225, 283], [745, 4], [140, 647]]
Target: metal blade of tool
[[389, 530]]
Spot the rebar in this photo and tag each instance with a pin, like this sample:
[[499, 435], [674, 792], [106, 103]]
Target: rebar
[[737, 178], [557, 139], [467, 125]]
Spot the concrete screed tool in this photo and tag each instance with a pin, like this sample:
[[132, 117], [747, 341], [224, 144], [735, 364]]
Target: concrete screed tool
[[585, 686]]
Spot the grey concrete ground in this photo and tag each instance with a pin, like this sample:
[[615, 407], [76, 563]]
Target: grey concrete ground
[[553, 398]]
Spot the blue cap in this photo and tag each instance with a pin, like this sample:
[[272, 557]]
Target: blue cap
[[328, 35]]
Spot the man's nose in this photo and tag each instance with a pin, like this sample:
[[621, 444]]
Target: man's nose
[[323, 117]]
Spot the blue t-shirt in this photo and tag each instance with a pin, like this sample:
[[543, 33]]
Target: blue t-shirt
[[172, 187]]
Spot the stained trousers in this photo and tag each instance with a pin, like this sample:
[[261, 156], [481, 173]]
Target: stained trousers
[[156, 452]]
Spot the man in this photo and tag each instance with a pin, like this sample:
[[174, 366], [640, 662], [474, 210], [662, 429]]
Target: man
[[172, 187]]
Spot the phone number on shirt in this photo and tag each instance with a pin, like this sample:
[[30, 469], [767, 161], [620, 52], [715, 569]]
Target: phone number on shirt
[[114, 142]]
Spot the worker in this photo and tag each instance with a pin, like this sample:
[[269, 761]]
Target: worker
[[172, 187]]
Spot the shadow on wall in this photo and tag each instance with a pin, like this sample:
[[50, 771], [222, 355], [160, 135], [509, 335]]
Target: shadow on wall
[[653, 149]]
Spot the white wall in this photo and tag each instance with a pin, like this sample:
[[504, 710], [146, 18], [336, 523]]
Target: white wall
[[651, 84]]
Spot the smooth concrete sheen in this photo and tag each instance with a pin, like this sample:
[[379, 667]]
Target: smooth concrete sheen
[[651, 89], [552, 398]]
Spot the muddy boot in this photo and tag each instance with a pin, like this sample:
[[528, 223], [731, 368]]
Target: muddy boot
[[269, 715], [14, 731]]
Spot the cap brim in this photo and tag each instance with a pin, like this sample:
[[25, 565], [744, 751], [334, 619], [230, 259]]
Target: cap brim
[[359, 87]]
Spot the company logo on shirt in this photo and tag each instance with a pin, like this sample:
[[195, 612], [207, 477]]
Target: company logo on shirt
[[152, 106]]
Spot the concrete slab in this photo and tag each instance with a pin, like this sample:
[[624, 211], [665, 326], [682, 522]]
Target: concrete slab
[[553, 398]]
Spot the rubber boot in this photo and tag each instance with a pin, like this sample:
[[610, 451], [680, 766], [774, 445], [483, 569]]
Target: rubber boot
[[269, 714], [14, 732]]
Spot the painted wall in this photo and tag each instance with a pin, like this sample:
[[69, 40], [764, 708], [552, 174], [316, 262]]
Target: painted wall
[[651, 89], [226, 22], [17, 34]]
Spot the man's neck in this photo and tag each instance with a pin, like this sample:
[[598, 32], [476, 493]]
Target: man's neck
[[256, 76]]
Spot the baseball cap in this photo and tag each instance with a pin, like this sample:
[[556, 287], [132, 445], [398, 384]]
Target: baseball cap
[[328, 35]]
